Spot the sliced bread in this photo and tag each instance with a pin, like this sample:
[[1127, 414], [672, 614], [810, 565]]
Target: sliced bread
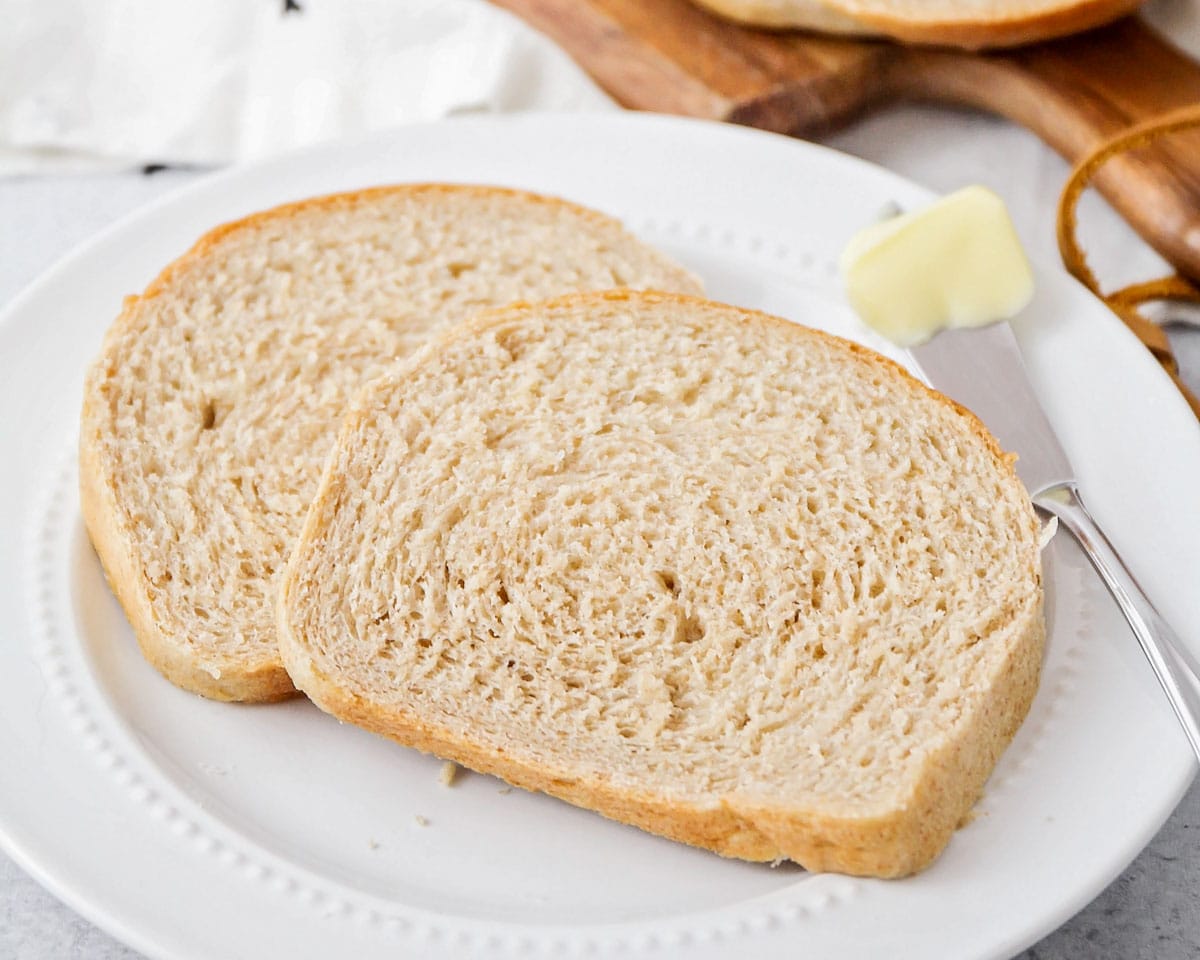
[[707, 572], [217, 394], [972, 24]]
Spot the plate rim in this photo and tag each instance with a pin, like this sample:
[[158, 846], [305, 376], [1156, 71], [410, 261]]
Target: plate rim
[[23, 853]]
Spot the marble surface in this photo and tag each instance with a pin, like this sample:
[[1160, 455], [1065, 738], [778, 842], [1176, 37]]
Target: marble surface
[[1151, 911]]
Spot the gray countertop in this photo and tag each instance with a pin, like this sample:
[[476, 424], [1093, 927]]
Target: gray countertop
[[1151, 911]]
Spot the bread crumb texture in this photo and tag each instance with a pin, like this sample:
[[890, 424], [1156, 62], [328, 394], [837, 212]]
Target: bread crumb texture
[[703, 570], [217, 395]]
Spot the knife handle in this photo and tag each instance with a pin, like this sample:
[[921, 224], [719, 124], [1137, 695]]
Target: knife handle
[[1175, 668]]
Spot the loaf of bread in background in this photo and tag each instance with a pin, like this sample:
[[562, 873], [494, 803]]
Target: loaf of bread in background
[[972, 24], [217, 394], [731, 580]]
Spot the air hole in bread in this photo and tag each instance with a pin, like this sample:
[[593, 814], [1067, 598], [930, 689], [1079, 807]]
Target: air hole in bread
[[668, 582], [494, 438], [510, 345], [689, 630], [208, 415]]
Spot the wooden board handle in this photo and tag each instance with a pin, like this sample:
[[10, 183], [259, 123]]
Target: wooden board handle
[[1076, 94], [670, 56]]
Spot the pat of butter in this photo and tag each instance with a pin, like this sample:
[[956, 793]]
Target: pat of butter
[[957, 263]]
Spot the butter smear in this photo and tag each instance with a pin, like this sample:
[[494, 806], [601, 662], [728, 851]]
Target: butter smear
[[957, 263]]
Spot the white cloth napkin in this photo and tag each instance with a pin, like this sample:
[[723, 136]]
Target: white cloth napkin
[[91, 85]]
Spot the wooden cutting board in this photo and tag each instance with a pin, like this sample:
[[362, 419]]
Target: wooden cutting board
[[672, 57]]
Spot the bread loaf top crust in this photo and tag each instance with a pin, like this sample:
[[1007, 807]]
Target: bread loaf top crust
[[971, 24]]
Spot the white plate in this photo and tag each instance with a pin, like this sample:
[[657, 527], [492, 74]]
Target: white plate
[[196, 829]]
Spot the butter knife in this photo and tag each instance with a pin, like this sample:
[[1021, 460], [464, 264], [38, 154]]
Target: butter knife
[[983, 370]]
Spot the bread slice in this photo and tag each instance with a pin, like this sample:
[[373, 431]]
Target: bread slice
[[731, 580], [218, 392], [972, 24]]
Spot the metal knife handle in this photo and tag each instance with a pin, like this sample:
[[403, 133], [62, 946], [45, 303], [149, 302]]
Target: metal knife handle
[[1175, 668]]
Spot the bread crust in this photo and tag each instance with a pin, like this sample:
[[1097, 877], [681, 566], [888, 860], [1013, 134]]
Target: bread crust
[[879, 17], [109, 523], [348, 199], [888, 843], [260, 682], [815, 15], [1059, 20]]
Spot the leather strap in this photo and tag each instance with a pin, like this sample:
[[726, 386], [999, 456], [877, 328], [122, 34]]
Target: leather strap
[[1125, 303]]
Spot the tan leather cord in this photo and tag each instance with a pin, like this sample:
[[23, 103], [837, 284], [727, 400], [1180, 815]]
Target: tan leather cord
[[1125, 303]]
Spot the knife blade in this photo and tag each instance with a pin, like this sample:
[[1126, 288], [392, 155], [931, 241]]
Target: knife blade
[[983, 370]]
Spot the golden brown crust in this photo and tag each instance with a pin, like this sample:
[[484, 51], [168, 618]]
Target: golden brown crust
[[893, 843], [966, 30], [980, 33], [108, 522], [349, 199]]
